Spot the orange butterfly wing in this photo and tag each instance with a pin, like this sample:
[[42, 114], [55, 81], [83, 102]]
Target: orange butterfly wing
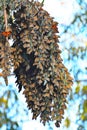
[[6, 34]]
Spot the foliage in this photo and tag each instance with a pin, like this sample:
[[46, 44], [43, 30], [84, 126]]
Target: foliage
[[76, 53], [7, 114]]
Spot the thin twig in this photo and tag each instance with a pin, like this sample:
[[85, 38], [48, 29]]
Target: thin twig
[[82, 80]]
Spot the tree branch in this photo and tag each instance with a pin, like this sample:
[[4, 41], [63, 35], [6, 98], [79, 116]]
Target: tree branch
[[81, 80]]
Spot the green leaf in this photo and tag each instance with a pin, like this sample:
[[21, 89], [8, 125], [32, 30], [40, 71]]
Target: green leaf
[[83, 117], [3, 101], [85, 106], [67, 122], [77, 89], [84, 90]]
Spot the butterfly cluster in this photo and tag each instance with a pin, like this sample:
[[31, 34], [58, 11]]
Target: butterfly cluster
[[38, 67]]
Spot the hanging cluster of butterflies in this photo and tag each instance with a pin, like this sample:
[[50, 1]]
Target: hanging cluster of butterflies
[[35, 58]]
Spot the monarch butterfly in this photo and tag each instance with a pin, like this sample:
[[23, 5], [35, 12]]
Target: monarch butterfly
[[1, 74], [6, 33]]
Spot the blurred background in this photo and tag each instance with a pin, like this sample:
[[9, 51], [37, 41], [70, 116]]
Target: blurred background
[[72, 18]]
